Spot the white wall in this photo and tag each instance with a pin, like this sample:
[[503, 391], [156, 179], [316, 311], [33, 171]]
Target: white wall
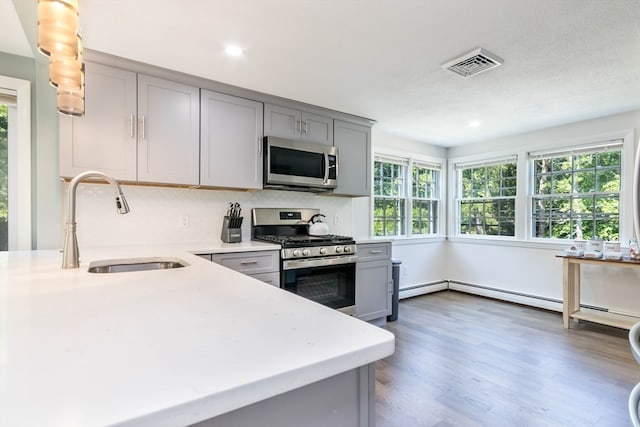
[[423, 260], [532, 269], [156, 212]]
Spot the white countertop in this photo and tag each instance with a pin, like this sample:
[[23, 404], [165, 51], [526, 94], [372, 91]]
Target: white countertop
[[159, 348]]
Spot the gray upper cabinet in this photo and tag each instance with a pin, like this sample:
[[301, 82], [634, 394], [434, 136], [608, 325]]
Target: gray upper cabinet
[[168, 132], [136, 128], [296, 124], [105, 138], [230, 141], [354, 158]]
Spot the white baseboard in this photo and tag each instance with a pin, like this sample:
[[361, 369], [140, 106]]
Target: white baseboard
[[530, 300], [423, 289]]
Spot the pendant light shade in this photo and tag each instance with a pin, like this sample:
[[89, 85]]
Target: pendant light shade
[[66, 74], [58, 38], [58, 22], [71, 102]]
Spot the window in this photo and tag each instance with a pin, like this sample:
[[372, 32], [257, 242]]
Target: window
[[424, 199], [15, 94], [405, 192], [389, 198], [4, 177], [576, 194], [486, 198]]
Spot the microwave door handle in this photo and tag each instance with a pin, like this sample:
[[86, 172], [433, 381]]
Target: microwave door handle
[[326, 167]]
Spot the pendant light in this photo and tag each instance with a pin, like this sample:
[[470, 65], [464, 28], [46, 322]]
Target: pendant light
[[58, 38], [71, 102], [58, 22], [67, 74]]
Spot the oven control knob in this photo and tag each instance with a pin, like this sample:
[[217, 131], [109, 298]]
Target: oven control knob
[[338, 249], [347, 249], [323, 251], [306, 252], [296, 252]]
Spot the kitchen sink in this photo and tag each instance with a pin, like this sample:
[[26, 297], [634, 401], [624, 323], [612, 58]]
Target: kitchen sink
[[136, 264]]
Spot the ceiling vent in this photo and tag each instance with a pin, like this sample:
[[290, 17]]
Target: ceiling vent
[[472, 63]]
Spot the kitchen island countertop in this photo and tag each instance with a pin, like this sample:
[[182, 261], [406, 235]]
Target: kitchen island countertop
[[159, 348]]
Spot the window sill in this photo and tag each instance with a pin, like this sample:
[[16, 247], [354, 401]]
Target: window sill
[[414, 240], [505, 241]]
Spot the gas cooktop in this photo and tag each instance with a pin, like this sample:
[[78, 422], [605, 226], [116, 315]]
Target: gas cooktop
[[288, 241]]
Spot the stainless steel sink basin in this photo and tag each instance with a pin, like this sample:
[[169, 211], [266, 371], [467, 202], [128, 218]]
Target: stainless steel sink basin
[[135, 264]]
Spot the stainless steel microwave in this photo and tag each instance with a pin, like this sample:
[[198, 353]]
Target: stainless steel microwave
[[299, 165]]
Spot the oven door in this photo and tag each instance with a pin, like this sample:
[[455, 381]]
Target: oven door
[[330, 281]]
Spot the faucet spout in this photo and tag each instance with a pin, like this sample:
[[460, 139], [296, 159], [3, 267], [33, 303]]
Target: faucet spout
[[70, 252]]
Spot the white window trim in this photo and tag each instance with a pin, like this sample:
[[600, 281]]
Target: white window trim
[[480, 162], [617, 143], [19, 166], [402, 159], [523, 233]]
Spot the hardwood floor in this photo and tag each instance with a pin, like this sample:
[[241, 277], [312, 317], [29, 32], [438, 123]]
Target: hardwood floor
[[464, 360]]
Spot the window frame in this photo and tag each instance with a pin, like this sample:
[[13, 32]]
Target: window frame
[[458, 168], [437, 164], [20, 193], [585, 136], [622, 143]]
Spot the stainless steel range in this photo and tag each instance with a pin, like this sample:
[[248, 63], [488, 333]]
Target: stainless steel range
[[321, 268]]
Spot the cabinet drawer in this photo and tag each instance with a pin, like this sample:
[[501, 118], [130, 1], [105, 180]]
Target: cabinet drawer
[[250, 263], [374, 251], [270, 278]]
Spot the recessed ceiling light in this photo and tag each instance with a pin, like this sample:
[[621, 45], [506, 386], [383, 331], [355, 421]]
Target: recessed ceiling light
[[474, 123], [233, 50]]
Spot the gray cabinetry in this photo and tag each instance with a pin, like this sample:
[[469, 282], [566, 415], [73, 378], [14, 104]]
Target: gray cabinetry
[[354, 158], [136, 127], [105, 139], [231, 141], [262, 265], [296, 124], [168, 131], [346, 399], [374, 283]]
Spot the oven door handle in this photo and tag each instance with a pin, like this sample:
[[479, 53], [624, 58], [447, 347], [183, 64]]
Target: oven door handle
[[292, 264]]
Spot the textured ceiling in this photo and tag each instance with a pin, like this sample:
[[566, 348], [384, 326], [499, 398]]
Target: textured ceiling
[[565, 60]]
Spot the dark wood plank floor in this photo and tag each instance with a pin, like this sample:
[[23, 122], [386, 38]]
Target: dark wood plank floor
[[464, 360]]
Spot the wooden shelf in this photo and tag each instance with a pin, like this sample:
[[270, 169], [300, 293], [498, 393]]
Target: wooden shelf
[[605, 318], [571, 293]]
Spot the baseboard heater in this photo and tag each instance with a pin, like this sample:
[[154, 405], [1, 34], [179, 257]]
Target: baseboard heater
[[423, 288], [522, 294]]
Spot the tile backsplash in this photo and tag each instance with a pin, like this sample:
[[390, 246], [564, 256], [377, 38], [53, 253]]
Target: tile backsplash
[[162, 215]]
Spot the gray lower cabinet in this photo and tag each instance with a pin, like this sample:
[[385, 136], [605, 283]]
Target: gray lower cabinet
[[374, 283], [347, 399], [262, 265], [230, 141], [354, 158], [296, 124]]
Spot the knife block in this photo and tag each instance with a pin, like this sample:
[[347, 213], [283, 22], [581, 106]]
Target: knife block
[[231, 229]]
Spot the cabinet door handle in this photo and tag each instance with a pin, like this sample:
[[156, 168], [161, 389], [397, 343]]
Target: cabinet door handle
[[248, 262], [142, 126], [306, 127], [375, 252], [132, 126], [299, 126]]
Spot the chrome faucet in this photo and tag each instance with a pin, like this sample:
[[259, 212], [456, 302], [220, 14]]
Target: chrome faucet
[[70, 252]]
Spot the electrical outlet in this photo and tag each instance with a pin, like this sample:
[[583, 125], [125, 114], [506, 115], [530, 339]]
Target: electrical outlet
[[183, 221]]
